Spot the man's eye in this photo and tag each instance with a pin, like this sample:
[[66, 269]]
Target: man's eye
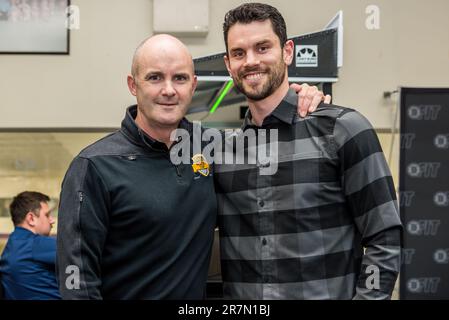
[[237, 54], [263, 49], [180, 78], [153, 78]]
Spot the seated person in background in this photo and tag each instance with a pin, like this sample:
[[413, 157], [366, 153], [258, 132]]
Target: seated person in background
[[27, 265]]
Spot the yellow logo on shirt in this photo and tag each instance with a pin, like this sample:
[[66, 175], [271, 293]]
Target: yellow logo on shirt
[[200, 165]]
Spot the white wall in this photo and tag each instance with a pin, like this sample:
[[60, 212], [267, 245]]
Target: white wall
[[88, 87]]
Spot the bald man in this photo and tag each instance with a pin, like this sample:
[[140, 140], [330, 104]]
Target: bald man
[[132, 224]]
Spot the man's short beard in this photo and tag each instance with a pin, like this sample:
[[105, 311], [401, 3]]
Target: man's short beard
[[273, 83]]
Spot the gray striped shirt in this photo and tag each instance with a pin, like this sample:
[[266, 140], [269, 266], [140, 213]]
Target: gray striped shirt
[[325, 225]]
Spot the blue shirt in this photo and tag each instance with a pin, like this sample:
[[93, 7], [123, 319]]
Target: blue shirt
[[28, 266]]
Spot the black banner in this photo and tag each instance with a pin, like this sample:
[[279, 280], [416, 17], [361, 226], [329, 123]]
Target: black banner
[[424, 193], [315, 56]]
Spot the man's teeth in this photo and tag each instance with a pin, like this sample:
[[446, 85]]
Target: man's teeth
[[254, 76]]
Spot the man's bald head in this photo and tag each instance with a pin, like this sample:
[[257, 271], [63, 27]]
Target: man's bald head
[[160, 42]]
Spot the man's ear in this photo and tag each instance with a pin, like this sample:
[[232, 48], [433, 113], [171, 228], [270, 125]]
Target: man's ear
[[132, 85], [30, 219], [227, 63], [289, 49], [195, 83]]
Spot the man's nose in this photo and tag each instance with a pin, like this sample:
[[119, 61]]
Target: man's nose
[[252, 59], [168, 89]]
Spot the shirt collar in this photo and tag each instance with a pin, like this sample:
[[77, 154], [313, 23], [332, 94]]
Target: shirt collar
[[138, 136], [285, 111], [22, 230]]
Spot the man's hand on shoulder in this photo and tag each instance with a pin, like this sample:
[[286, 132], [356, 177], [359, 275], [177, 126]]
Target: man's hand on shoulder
[[309, 97]]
